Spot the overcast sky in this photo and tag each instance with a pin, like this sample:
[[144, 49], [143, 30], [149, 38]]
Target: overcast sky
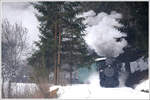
[[22, 12]]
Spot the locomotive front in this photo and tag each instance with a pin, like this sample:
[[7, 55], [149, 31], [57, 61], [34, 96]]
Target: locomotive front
[[108, 71]]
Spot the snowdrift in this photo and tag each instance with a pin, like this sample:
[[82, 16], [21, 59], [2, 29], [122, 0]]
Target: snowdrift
[[94, 91]]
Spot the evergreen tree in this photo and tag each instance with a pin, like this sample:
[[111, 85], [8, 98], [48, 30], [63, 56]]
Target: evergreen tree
[[57, 20], [74, 50]]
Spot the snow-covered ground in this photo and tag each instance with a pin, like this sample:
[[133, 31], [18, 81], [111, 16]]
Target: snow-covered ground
[[94, 91], [86, 91], [20, 89], [23, 89]]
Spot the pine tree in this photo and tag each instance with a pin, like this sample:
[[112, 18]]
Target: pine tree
[[57, 19], [74, 50]]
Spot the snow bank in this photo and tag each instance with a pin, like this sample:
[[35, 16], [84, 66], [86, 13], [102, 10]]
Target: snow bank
[[95, 91], [143, 85], [23, 89], [20, 89], [87, 91]]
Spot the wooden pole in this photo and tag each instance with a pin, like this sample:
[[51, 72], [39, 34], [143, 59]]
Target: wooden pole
[[55, 56], [59, 51]]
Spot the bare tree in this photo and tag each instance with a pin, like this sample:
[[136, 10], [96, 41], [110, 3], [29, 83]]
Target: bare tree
[[13, 49]]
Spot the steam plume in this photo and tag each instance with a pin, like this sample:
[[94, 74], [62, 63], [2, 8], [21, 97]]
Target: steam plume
[[102, 33]]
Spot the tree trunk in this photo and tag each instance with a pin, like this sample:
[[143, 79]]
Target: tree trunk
[[43, 90], [71, 74], [71, 64], [3, 94], [9, 89], [55, 56], [55, 69], [59, 50]]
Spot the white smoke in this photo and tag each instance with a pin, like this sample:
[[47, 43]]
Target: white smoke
[[101, 33], [94, 79]]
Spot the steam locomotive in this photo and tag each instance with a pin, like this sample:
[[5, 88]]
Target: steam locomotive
[[109, 68], [108, 71]]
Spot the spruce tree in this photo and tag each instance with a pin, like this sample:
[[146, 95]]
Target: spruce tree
[[57, 20]]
